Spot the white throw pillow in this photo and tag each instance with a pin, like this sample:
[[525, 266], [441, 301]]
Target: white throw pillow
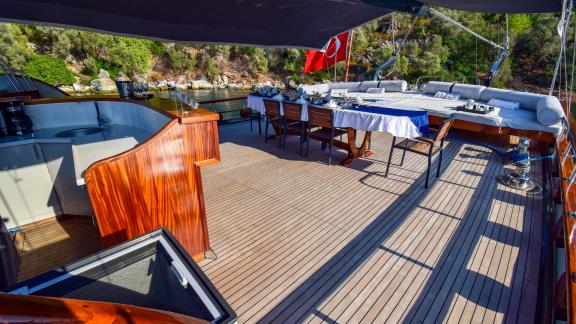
[[447, 95], [338, 92], [506, 104], [376, 90]]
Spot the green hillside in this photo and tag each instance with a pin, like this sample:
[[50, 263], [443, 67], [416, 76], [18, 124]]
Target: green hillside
[[434, 48]]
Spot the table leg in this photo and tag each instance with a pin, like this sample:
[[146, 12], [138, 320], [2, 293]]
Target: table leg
[[355, 152]]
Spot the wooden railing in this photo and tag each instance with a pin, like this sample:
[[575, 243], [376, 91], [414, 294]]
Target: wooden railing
[[565, 289], [222, 100]]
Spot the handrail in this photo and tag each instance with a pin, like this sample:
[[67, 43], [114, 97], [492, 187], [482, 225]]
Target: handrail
[[222, 100], [566, 148]]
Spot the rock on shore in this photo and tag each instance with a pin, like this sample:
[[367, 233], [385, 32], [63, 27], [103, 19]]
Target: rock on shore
[[105, 83]]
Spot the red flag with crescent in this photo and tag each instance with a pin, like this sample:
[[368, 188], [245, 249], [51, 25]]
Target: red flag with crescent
[[335, 51]]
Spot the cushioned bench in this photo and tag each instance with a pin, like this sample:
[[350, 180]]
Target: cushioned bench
[[537, 112]]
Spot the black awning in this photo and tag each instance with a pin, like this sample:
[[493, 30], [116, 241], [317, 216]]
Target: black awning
[[277, 23]]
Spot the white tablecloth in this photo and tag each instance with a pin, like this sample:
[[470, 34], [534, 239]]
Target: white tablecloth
[[399, 126], [257, 104]]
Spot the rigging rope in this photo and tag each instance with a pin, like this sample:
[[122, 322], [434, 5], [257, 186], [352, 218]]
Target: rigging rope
[[392, 59], [572, 75], [452, 21]]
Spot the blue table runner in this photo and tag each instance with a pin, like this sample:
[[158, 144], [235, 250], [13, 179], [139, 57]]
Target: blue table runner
[[418, 117]]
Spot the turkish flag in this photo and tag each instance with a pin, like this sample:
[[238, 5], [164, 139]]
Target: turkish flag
[[335, 51]]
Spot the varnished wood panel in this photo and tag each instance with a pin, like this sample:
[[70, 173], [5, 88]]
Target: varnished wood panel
[[37, 309], [298, 240], [540, 137], [568, 199], [157, 184]]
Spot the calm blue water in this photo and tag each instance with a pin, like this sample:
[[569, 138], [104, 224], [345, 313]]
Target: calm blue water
[[227, 108]]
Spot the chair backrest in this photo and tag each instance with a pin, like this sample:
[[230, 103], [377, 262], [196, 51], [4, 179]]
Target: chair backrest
[[443, 129], [318, 116], [292, 111], [272, 108]]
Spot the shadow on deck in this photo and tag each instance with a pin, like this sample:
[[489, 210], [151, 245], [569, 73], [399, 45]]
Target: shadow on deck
[[465, 249]]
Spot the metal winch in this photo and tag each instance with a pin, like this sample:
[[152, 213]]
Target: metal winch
[[519, 179]]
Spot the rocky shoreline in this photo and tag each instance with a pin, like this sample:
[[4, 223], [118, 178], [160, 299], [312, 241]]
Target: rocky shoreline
[[104, 83]]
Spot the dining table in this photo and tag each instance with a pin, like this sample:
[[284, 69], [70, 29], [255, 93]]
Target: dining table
[[400, 122]]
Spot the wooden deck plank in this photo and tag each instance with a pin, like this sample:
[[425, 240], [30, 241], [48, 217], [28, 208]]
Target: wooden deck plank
[[455, 255], [484, 266], [55, 243], [394, 307], [298, 240], [413, 287], [377, 272], [362, 250]]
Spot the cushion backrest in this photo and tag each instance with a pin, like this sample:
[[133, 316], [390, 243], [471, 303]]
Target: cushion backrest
[[443, 129], [549, 110], [365, 85], [393, 85], [434, 86], [389, 85], [527, 100], [468, 91], [321, 88], [318, 116], [350, 86], [292, 111], [272, 108]]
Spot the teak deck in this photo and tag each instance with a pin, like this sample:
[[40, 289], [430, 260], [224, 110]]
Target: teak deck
[[298, 240], [53, 243]]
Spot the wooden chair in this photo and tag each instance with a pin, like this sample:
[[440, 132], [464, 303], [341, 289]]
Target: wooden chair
[[323, 118], [274, 118], [428, 145], [293, 123]]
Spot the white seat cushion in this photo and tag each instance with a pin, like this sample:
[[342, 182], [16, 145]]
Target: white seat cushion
[[350, 86], [444, 108], [468, 91], [393, 85], [527, 100], [434, 86], [376, 90], [549, 111]]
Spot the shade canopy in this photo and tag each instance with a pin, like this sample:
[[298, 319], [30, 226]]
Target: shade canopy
[[276, 23]]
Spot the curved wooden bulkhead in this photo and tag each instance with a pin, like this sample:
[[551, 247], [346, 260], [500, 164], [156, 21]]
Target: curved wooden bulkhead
[[27, 309], [158, 184]]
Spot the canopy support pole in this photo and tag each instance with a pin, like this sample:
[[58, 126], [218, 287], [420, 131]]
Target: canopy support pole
[[349, 55]]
